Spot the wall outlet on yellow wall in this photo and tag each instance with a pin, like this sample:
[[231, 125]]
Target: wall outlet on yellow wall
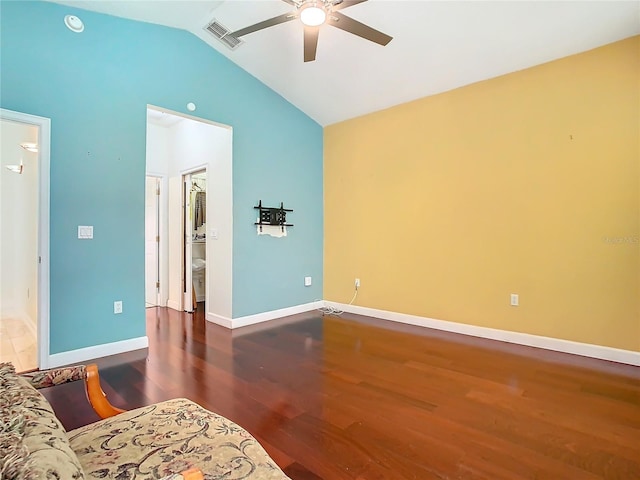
[[357, 283], [515, 299]]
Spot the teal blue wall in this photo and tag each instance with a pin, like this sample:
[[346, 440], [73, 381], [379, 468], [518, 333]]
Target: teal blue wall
[[95, 88]]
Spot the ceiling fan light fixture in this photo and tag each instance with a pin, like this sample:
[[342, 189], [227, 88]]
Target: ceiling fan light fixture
[[313, 16]]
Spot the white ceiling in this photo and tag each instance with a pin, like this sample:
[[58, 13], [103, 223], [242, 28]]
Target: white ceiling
[[437, 45]]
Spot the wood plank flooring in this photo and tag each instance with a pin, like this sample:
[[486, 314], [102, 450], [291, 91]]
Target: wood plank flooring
[[363, 399]]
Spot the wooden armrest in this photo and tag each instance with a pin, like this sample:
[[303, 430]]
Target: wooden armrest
[[96, 396], [192, 474]]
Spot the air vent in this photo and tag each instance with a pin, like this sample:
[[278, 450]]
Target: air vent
[[223, 34]]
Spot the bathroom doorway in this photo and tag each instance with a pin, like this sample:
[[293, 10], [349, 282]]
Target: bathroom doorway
[[195, 240], [24, 247]]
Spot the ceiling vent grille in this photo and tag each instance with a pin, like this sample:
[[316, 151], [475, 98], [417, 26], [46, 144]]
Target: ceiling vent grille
[[223, 34]]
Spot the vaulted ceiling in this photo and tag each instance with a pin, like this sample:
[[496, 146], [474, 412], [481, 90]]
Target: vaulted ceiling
[[437, 45]]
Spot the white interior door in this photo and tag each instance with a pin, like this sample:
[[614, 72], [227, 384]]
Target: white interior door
[[152, 241]]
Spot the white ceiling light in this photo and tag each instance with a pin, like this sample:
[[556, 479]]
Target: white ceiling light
[[30, 147], [73, 23], [313, 16]]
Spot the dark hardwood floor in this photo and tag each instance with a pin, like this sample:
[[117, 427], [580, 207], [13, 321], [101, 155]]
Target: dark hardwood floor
[[359, 398]]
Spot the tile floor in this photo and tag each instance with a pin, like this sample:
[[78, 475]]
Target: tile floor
[[17, 344]]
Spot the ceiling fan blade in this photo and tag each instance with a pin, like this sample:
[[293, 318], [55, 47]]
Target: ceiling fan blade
[[286, 17], [340, 4], [310, 43], [350, 25]]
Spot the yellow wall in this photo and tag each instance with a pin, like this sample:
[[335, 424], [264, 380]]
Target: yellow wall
[[527, 183]]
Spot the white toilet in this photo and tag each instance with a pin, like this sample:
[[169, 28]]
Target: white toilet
[[198, 268]]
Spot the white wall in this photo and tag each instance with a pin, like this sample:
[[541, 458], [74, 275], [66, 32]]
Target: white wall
[[18, 222], [200, 144], [158, 149]]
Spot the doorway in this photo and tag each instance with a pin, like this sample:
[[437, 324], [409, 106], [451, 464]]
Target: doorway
[[180, 145], [24, 246], [195, 240]]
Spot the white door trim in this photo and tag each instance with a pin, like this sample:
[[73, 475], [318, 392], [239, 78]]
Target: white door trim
[[157, 181], [44, 159], [187, 302]]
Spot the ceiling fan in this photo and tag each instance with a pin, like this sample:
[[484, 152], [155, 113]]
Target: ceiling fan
[[315, 13]]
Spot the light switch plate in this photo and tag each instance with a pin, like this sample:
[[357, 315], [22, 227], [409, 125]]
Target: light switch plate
[[85, 232], [307, 281]]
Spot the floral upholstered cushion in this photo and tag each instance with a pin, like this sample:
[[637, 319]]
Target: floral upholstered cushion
[[169, 437], [33, 443]]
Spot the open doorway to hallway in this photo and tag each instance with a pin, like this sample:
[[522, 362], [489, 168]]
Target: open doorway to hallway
[[180, 148], [24, 239]]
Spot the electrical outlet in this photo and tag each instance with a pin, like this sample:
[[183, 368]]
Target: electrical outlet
[[357, 283], [515, 300], [307, 281], [117, 306]]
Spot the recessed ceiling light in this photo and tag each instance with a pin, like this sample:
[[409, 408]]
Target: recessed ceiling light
[[73, 23], [30, 147]]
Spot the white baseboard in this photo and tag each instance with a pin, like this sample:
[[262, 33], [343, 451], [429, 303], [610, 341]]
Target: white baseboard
[[23, 317], [547, 343], [9, 310], [273, 314], [174, 305], [264, 316], [31, 325], [225, 322], [97, 351]]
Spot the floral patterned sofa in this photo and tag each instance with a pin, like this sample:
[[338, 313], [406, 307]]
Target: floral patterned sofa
[[176, 439]]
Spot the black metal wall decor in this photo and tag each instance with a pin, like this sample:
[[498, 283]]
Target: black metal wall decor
[[273, 216]]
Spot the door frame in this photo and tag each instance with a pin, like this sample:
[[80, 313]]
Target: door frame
[[158, 184], [43, 281], [187, 230], [219, 165]]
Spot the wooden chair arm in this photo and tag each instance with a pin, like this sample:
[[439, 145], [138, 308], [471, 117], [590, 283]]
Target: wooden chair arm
[[192, 474], [96, 396]]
